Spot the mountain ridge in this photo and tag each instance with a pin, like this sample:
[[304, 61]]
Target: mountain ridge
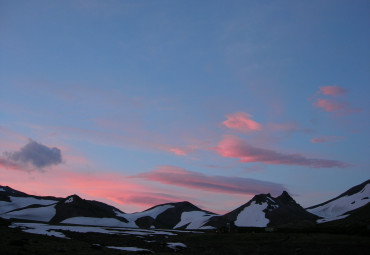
[[263, 210]]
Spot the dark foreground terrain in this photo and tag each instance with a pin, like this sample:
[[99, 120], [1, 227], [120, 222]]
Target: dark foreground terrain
[[14, 241]]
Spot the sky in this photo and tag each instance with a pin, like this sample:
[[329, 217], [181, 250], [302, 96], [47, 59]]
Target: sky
[[138, 103]]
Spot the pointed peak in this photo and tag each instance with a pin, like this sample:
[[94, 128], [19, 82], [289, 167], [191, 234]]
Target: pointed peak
[[71, 199], [285, 194], [286, 197]]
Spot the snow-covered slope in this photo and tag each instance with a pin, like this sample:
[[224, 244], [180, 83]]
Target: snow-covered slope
[[11, 200], [41, 213], [338, 207], [20, 202], [194, 220], [253, 216], [183, 215]]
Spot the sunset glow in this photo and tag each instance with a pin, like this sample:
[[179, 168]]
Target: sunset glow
[[137, 103]]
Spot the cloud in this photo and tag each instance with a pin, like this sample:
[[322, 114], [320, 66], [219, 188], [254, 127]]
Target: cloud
[[325, 139], [34, 154], [334, 105], [234, 147], [183, 151], [147, 199], [332, 91], [330, 105], [241, 121], [232, 185]]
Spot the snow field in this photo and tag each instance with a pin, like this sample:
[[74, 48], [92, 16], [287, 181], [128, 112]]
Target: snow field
[[44, 214], [195, 219], [340, 206], [252, 216], [19, 202]]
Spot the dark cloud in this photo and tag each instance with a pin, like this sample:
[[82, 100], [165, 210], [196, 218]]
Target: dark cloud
[[34, 154]]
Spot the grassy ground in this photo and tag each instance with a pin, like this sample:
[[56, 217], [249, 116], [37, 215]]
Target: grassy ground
[[14, 241]]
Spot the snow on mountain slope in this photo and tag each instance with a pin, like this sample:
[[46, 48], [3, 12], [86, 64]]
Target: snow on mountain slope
[[194, 219], [42, 213], [253, 216], [337, 208], [91, 221], [20, 202]]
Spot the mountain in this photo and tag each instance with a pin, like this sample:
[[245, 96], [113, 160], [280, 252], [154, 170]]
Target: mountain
[[263, 210], [11, 199], [71, 210], [266, 211], [349, 204], [75, 210], [180, 215]]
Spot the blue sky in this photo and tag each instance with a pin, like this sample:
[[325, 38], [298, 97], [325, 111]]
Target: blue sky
[[138, 95]]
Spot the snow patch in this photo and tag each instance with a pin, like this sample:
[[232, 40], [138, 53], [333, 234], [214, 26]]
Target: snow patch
[[342, 205], [19, 202], [176, 246], [252, 216], [45, 229], [207, 227], [271, 199], [128, 248], [2, 189], [332, 218], [69, 200], [45, 213], [195, 219]]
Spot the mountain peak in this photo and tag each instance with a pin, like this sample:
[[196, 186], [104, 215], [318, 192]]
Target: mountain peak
[[71, 199]]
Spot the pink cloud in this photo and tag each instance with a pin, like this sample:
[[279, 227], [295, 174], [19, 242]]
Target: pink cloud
[[179, 151], [334, 105], [112, 188], [329, 105], [184, 151], [332, 90], [232, 185], [148, 199], [234, 147], [241, 121], [325, 139]]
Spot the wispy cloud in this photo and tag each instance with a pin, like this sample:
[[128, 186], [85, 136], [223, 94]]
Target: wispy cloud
[[332, 90], [241, 121], [333, 104], [330, 105], [146, 198], [234, 147], [233, 185]]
